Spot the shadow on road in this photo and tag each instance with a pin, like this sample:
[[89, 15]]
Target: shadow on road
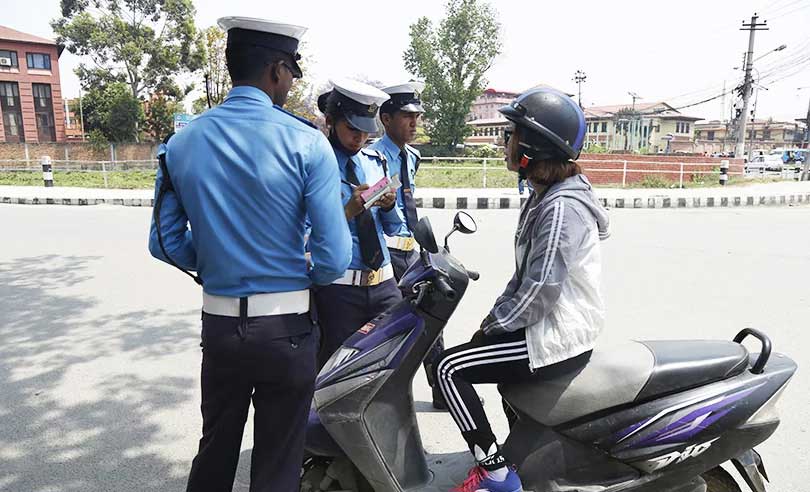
[[101, 437]]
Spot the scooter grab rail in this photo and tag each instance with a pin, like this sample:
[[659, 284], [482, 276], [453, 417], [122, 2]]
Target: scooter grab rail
[[759, 365]]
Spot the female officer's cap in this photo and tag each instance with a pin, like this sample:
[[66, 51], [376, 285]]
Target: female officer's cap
[[357, 101]]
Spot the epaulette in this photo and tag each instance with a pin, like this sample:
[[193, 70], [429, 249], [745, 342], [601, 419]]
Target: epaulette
[[302, 120], [376, 154]]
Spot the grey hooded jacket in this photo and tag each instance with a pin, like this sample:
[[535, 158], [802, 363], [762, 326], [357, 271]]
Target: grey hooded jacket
[[555, 292]]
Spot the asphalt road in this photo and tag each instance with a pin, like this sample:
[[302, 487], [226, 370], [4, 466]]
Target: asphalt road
[[99, 355]]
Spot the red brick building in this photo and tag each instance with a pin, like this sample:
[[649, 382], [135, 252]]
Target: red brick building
[[30, 93]]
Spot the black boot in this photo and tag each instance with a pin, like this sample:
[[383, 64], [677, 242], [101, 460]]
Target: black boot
[[439, 403]]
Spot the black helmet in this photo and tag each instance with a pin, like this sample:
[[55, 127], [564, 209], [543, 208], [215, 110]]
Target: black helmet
[[555, 123]]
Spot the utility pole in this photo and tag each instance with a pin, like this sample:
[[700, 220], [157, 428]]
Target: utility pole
[[806, 162], [752, 28], [579, 78], [81, 113], [634, 120], [753, 133]]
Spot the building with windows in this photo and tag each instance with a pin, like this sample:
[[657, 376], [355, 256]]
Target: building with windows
[[30, 93], [718, 136], [648, 128]]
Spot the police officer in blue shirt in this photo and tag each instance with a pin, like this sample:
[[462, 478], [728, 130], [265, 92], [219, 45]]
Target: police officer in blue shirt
[[400, 115], [368, 287], [244, 176]]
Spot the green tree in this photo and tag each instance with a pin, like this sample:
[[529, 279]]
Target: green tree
[[111, 113], [142, 43], [215, 69], [453, 60], [160, 116]]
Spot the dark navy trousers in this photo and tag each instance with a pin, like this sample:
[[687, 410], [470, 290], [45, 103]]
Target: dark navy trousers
[[401, 260], [273, 363], [344, 309]]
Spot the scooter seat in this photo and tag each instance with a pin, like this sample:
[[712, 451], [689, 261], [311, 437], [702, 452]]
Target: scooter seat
[[623, 374], [685, 364]]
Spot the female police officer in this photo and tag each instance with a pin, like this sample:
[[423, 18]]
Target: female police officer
[[547, 320], [368, 286]]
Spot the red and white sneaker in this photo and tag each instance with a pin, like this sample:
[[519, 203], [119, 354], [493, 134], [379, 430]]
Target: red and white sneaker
[[479, 480]]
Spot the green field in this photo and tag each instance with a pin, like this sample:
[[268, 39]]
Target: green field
[[446, 177], [82, 179]]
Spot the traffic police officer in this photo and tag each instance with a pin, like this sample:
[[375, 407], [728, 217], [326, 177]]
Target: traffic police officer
[[368, 287], [399, 116], [244, 176]]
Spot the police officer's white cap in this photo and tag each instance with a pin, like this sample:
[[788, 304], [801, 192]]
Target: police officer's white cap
[[404, 97], [413, 87], [262, 25], [360, 92]]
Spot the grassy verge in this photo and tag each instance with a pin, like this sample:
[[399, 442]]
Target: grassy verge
[[446, 177], [85, 179]]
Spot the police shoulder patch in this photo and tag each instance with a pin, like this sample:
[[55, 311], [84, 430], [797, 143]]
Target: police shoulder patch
[[375, 154], [302, 120]]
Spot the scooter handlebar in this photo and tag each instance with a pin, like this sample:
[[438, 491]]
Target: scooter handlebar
[[445, 289], [473, 275]]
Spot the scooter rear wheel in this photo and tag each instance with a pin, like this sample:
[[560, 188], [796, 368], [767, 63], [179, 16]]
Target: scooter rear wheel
[[719, 480]]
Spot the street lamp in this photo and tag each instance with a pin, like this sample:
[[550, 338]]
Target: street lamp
[[778, 48]]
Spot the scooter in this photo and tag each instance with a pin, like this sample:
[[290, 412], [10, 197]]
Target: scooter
[[641, 416]]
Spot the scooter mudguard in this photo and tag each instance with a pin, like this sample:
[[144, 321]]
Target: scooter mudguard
[[750, 466]]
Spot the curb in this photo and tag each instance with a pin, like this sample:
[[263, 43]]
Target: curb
[[483, 203]]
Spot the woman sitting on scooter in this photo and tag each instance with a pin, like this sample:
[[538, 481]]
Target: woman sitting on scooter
[[547, 320]]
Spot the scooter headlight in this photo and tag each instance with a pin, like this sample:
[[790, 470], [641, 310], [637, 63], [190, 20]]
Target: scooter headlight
[[342, 355]]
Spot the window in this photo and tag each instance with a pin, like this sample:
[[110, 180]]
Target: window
[[766, 135], [686, 125], [12, 114], [12, 59], [43, 109], [39, 61], [604, 127], [710, 135]]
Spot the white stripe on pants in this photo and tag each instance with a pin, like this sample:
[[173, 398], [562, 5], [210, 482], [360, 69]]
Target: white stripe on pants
[[477, 356]]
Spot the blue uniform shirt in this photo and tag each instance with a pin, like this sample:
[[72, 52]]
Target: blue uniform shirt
[[369, 169], [246, 174], [391, 152]]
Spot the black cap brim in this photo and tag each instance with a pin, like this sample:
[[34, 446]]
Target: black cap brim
[[363, 123]]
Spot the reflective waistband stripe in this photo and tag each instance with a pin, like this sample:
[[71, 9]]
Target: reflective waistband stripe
[[400, 243], [365, 278], [272, 304]]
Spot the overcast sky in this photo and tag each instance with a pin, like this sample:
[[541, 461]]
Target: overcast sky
[[680, 52]]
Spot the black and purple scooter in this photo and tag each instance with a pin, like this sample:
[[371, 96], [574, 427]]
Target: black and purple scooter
[[642, 416]]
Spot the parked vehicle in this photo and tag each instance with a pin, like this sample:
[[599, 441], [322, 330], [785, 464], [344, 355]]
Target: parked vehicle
[[642, 416]]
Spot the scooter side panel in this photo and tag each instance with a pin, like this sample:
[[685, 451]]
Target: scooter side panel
[[548, 461]]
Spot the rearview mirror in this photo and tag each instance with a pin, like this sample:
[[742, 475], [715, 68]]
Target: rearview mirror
[[464, 223], [423, 233]]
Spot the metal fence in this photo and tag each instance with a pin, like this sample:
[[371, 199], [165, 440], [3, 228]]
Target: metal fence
[[486, 167], [625, 167]]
